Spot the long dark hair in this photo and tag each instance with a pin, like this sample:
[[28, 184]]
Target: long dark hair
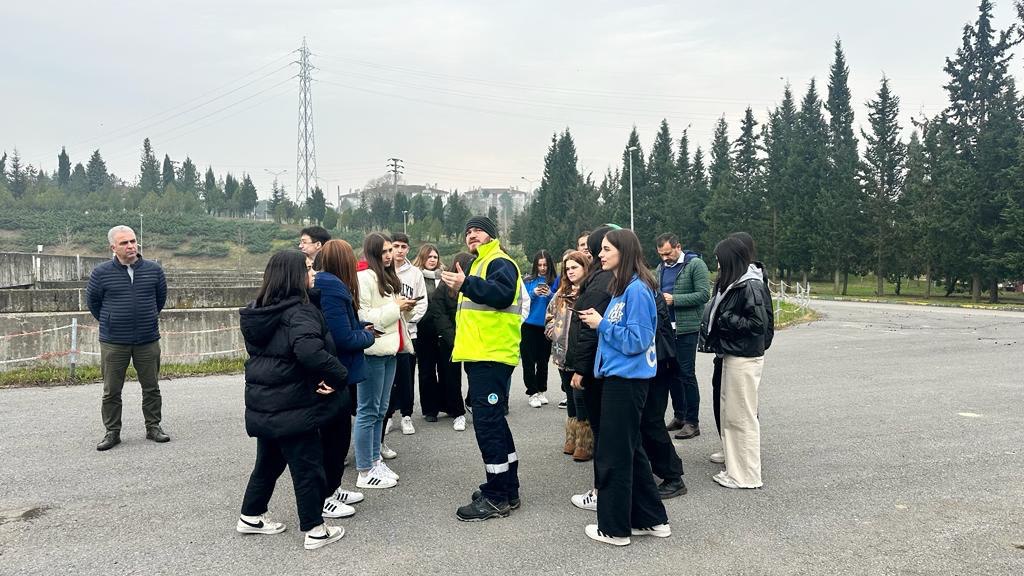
[[631, 261], [748, 243], [465, 260], [594, 241], [732, 255], [387, 278], [285, 277], [337, 257], [549, 276]]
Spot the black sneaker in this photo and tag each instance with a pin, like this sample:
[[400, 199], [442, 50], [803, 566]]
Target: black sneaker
[[671, 488], [110, 439], [513, 503], [156, 434], [430, 418], [483, 509]]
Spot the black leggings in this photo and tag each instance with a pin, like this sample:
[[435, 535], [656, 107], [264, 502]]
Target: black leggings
[[535, 350]]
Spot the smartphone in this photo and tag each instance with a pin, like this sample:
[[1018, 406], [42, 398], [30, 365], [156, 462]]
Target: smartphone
[[418, 298], [377, 332]]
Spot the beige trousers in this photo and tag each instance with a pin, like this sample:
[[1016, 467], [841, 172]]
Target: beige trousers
[[741, 432]]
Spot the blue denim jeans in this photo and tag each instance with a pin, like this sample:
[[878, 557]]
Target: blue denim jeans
[[371, 408], [683, 388]]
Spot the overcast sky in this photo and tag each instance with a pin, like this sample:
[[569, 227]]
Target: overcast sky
[[468, 93]]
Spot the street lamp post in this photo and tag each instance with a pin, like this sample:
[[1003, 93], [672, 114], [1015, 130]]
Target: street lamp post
[[630, 150], [138, 235], [405, 221]]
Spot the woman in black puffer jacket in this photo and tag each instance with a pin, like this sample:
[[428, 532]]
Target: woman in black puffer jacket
[[293, 382]]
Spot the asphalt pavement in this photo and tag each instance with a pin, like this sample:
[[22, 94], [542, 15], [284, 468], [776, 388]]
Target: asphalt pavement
[[892, 443]]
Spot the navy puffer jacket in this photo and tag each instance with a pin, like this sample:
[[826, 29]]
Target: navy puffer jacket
[[290, 352], [128, 310]]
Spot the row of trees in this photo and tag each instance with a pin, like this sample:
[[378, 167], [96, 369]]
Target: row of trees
[[948, 203]]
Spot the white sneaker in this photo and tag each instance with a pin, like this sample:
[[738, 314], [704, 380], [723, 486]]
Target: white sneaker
[[373, 479], [258, 525], [535, 401], [459, 424], [658, 531], [336, 509], [543, 398], [407, 427], [586, 501], [387, 425], [383, 470], [347, 496], [387, 453], [322, 535], [718, 457], [596, 534]]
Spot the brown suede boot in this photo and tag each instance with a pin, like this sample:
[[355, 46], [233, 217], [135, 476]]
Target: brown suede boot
[[584, 442], [570, 436]]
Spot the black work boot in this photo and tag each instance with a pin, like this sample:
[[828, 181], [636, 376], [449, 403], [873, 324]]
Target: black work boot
[[483, 509], [689, 430], [671, 488], [156, 434], [110, 439], [513, 503]]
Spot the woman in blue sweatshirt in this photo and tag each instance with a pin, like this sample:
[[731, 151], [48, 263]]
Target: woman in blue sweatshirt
[[627, 360], [535, 348]]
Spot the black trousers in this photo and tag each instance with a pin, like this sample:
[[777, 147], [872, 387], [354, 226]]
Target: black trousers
[[402, 391], [303, 454], [452, 402], [428, 359], [627, 495], [716, 392], [488, 392], [336, 438], [574, 405], [657, 443], [535, 350]]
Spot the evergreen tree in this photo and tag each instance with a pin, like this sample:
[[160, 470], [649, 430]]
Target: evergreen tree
[[701, 195], [839, 224], [808, 169], [401, 207], [96, 170], [657, 211], [276, 199], [456, 215], [248, 197], [420, 208], [188, 179], [213, 196], [330, 218], [316, 205], [63, 168], [719, 214], [882, 177], [380, 210], [149, 174], [3, 168], [17, 176], [78, 185], [748, 179], [780, 187], [168, 172], [437, 209], [920, 241], [621, 212], [231, 186], [561, 201]]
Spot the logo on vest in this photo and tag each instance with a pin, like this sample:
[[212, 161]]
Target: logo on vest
[[492, 398]]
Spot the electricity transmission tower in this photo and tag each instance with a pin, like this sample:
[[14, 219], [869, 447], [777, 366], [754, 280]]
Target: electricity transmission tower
[[396, 168], [305, 163]]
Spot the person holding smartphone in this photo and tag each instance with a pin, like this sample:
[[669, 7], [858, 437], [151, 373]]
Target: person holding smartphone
[[535, 348]]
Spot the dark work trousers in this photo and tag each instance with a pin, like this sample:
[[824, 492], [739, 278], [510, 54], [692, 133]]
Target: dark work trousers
[[303, 454], [592, 395], [402, 390], [665, 462], [428, 357], [452, 402], [685, 394], [574, 404], [627, 495], [535, 350], [716, 392], [114, 359], [336, 438], [489, 398]]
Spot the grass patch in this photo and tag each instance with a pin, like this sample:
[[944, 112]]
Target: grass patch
[[790, 314], [53, 375], [913, 292]]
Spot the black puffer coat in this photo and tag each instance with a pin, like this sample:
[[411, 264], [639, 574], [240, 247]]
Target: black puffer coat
[[582, 346], [290, 352], [741, 321]]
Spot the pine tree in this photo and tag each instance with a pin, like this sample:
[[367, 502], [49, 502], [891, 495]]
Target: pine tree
[[719, 213], [167, 177], [701, 196], [380, 210], [401, 207], [149, 174], [231, 194], [63, 168], [213, 196], [17, 177], [882, 177], [808, 168], [78, 185], [276, 199], [657, 210], [96, 170], [437, 209], [420, 208], [632, 175], [248, 197], [316, 205], [187, 179], [920, 241], [779, 139], [456, 215]]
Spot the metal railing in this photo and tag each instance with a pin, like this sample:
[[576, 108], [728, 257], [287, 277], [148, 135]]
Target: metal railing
[[795, 293]]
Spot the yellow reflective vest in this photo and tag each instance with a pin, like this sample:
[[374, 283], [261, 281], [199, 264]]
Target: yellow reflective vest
[[482, 333]]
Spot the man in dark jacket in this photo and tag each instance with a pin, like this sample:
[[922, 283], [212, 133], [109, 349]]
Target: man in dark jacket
[[126, 295]]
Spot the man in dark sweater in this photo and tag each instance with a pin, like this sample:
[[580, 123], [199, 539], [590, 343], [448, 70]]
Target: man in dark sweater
[[126, 296]]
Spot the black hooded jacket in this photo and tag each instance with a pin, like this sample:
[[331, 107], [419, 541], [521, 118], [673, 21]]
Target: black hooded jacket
[[290, 353], [582, 346]]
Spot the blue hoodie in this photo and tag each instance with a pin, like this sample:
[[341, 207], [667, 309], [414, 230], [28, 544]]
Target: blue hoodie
[[539, 304], [349, 334], [625, 343]]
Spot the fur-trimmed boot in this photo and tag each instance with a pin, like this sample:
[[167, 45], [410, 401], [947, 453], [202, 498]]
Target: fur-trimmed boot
[[584, 442], [570, 436]]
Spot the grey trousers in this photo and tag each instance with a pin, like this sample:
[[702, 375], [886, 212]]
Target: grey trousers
[[114, 360]]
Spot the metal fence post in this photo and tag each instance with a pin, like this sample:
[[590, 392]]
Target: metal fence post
[[73, 357]]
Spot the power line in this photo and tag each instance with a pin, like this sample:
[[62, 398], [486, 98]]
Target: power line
[[305, 162]]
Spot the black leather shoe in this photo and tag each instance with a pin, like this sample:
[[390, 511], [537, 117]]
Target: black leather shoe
[[674, 425], [671, 488], [483, 509], [430, 417], [110, 439], [513, 503], [155, 434], [688, 431]]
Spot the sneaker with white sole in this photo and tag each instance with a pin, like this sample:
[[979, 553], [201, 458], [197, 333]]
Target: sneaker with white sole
[[347, 496], [407, 427], [658, 531], [562, 404], [335, 509], [543, 398], [387, 453], [373, 479], [718, 457], [460, 424], [388, 425], [258, 525], [596, 534], [386, 471], [586, 501], [535, 401], [322, 535]]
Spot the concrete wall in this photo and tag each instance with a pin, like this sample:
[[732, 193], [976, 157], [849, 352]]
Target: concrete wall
[[187, 336], [20, 269], [74, 300]]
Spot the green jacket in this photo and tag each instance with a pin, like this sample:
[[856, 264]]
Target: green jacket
[[690, 293]]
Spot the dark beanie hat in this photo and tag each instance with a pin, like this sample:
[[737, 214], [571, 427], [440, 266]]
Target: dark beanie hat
[[484, 223]]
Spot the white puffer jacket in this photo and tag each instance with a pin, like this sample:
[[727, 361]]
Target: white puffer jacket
[[383, 312]]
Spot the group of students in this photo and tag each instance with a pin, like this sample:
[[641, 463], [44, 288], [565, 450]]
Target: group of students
[[323, 321]]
